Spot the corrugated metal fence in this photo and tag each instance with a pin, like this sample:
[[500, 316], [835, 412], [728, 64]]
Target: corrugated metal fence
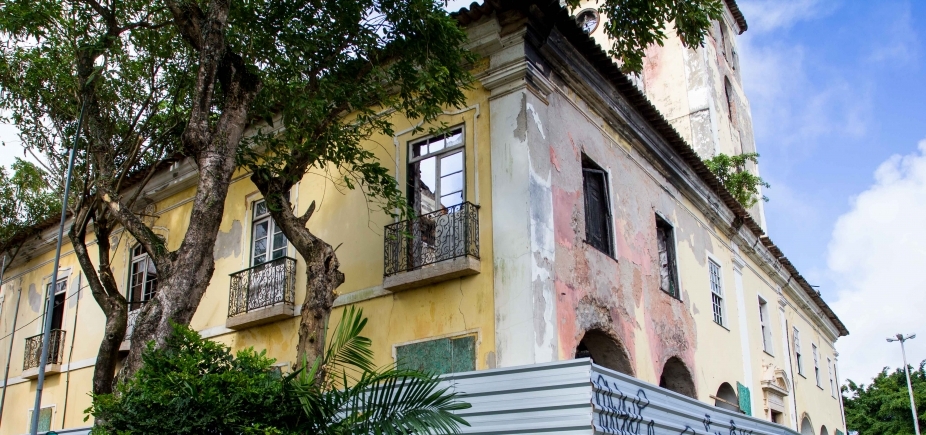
[[579, 397]]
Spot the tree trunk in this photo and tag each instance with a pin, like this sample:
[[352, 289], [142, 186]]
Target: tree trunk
[[184, 274], [321, 264], [106, 292]]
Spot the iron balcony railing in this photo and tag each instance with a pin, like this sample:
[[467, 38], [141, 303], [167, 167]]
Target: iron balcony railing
[[264, 285], [134, 309], [33, 354], [430, 238]]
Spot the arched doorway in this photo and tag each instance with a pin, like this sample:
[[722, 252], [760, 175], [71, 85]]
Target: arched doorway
[[676, 377], [604, 351], [823, 431], [726, 398], [806, 426]]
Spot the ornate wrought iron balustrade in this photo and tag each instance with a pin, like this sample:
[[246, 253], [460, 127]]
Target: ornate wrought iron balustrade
[[264, 285], [431, 238], [33, 354], [134, 310]]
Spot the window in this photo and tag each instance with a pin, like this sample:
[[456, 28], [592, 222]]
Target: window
[[665, 240], [267, 239], [728, 90], [829, 369], [436, 172], [816, 363], [766, 326], [597, 208], [797, 352], [45, 416], [440, 356], [716, 291], [143, 279], [57, 312]]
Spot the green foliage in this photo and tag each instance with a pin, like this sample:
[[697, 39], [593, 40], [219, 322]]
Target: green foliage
[[634, 25], [334, 72], [196, 386], [26, 198], [736, 178], [883, 407]]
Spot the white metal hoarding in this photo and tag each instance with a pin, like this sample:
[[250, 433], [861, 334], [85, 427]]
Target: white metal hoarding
[[579, 397]]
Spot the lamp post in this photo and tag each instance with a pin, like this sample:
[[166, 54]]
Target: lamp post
[[901, 339]]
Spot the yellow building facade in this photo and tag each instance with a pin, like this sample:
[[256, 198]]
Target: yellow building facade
[[562, 217]]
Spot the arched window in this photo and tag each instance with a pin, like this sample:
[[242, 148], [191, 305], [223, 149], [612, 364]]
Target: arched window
[[676, 377], [806, 426], [726, 398], [604, 351], [823, 431], [143, 279]]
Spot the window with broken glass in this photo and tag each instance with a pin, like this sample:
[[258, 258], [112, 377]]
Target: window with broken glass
[[716, 291], [665, 240], [436, 172], [598, 232], [267, 239], [144, 279]]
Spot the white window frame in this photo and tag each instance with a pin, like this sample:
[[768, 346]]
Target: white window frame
[[766, 327], [438, 155], [829, 369], [816, 363], [718, 310], [133, 258], [272, 229], [798, 356]]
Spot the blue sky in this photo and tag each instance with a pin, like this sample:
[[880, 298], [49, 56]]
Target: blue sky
[[838, 96]]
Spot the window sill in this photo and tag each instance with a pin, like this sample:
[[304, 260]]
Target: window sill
[[33, 373], [261, 316], [722, 326], [801, 375], [433, 273], [768, 353]]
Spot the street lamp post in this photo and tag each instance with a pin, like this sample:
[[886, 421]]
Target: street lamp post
[[902, 339]]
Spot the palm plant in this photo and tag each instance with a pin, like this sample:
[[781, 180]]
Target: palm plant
[[195, 386], [343, 392]]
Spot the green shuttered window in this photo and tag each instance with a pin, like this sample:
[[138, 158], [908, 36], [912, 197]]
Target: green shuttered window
[[440, 356]]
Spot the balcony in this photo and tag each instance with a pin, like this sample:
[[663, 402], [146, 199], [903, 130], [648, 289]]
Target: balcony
[[262, 294], [434, 247], [33, 354], [134, 309]]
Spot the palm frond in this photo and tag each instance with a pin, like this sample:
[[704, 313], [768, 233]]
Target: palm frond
[[347, 348], [398, 402]]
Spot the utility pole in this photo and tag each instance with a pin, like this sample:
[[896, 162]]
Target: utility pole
[[902, 339], [50, 306]]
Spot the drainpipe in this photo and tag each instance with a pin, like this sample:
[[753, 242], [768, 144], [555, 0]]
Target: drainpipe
[[67, 379], [9, 355]]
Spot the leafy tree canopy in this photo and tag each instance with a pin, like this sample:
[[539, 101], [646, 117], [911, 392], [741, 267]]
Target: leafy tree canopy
[[26, 197], [736, 178], [634, 25], [883, 406]]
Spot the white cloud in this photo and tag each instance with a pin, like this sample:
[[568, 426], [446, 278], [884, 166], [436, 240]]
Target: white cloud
[[877, 259], [768, 15]]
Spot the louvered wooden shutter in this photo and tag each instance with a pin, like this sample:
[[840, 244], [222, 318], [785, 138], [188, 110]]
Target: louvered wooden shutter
[[597, 213]]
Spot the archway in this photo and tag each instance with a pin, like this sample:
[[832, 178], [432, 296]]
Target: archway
[[806, 426], [726, 398], [604, 351], [823, 431], [676, 377]]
